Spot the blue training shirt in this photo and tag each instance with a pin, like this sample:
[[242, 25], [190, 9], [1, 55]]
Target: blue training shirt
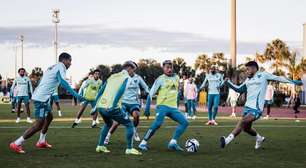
[[215, 82], [131, 94]]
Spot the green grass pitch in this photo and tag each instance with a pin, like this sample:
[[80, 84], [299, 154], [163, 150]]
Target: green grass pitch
[[285, 146]]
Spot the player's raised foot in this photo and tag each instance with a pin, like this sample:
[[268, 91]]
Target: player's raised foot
[[259, 142], [16, 148], [18, 120], [136, 137], [59, 113], [43, 145], [29, 120], [222, 142], [175, 146], [132, 151], [103, 149], [74, 125], [143, 147]]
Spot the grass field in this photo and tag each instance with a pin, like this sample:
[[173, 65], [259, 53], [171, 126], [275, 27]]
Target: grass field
[[285, 145]]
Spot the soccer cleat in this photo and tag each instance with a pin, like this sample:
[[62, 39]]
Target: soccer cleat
[[16, 148], [94, 126], [222, 142], [214, 122], [43, 145], [194, 117], [143, 147], [29, 120], [103, 149], [18, 120], [233, 115], [136, 137], [13, 110], [175, 146], [209, 123], [74, 125], [266, 117], [259, 142], [97, 121], [132, 151]]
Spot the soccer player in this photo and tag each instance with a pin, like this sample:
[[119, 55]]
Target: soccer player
[[255, 86], [232, 101], [89, 90], [13, 99], [191, 93], [166, 86], [23, 87], [54, 76], [55, 99], [108, 104], [269, 99], [131, 103], [215, 82]]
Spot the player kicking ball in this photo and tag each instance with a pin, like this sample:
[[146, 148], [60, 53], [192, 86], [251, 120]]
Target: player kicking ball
[[89, 91], [255, 86], [54, 76], [166, 86], [108, 104], [131, 103]]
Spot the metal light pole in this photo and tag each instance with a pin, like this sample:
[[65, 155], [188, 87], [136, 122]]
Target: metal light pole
[[304, 40], [55, 20], [233, 44], [15, 48], [21, 38]]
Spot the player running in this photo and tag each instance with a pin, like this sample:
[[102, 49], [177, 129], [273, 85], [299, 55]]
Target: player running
[[131, 103], [255, 86], [109, 106], [54, 76], [166, 86], [89, 90], [215, 82], [24, 89], [55, 99]]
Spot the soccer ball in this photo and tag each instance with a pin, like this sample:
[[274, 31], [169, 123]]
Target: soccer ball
[[192, 145]]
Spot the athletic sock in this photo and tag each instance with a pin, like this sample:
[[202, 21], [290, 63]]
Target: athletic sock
[[108, 135], [143, 142], [42, 138], [77, 120], [229, 138], [19, 141], [258, 136], [93, 122], [173, 141]]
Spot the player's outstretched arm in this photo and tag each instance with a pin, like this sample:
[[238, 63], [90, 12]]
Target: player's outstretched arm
[[66, 85], [152, 92], [203, 84], [83, 86], [240, 89]]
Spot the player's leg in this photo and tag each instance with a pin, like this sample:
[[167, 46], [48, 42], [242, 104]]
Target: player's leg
[[177, 116], [104, 130], [194, 109], [42, 143], [18, 106], [189, 108], [111, 131], [135, 115], [159, 119], [27, 106], [80, 113], [13, 104], [94, 115], [209, 108], [123, 118], [216, 100], [40, 112], [58, 107]]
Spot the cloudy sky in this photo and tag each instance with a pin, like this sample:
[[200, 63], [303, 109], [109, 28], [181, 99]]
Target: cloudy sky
[[108, 32]]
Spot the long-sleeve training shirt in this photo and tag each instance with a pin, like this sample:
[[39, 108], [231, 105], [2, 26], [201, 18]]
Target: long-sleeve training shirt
[[256, 88], [215, 82], [22, 86], [52, 77], [131, 95]]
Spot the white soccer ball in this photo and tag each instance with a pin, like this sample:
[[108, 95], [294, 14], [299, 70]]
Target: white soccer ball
[[192, 145]]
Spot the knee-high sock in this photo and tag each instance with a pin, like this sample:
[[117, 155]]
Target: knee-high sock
[[103, 134]]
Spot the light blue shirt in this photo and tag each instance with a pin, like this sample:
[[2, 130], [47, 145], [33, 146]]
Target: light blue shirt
[[215, 82], [52, 77], [131, 95], [22, 85], [256, 88]]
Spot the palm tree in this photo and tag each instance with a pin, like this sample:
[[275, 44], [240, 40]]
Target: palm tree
[[295, 69], [202, 62]]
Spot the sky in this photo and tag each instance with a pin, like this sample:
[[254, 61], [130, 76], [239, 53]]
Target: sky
[[107, 32]]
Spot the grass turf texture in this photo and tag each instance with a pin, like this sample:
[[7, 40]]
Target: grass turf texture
[[285, 145]]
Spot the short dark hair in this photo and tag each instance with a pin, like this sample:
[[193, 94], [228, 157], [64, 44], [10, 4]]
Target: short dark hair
[[20, 69], [168, 62], [64, 56], [96, 70], [131, 64], [252, 64]]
